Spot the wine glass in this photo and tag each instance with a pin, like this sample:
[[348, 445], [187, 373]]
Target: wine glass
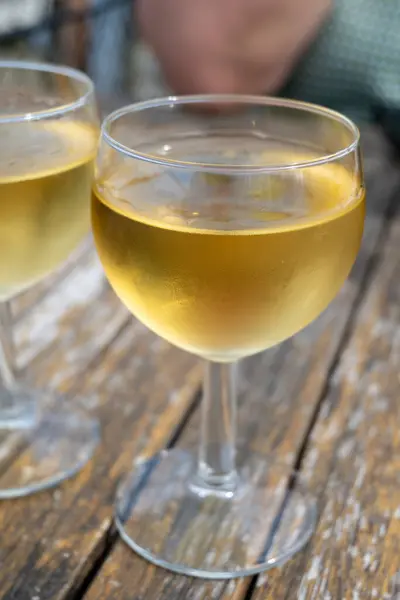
[[49, 132], [226, 224]]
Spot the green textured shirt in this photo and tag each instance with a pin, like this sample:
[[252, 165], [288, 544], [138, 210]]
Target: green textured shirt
[[354, 65]]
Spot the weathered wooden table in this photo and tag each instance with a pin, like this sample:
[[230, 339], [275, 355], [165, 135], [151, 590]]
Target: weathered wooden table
[[327, 401]]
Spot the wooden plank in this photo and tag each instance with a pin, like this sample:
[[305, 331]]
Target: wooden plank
[[292, 378], [51, 322], [137, 382], [353, 461], [68, 330]]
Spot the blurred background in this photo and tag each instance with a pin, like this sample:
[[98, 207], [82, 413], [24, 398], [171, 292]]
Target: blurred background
[[98, 36]]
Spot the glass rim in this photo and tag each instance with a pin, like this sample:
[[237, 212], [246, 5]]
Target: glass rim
[[69, 72], [229, 98]]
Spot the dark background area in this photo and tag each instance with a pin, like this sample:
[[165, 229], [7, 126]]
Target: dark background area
[[97, 36]]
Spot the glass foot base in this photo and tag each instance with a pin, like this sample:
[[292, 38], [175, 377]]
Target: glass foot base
[[168, 518], [54, 446]]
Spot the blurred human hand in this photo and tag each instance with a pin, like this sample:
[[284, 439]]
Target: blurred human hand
[[229, 46]]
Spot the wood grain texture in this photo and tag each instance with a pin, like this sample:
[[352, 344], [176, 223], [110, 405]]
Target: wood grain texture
[[76, 337], [353, 460], [64, 530], [131, 381], [280, 396]]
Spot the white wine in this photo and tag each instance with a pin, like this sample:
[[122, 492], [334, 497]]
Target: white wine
[[46, 171], [230, 278]]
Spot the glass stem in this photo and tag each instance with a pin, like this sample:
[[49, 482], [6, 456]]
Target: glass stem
[[7, 354], [216, 466], [17, 410]]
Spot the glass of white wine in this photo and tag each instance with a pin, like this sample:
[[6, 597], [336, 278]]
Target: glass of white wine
[[226, 224], [49, 132]]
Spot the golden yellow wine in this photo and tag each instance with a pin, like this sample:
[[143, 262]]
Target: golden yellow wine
[[228, 278], [46, 171]]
